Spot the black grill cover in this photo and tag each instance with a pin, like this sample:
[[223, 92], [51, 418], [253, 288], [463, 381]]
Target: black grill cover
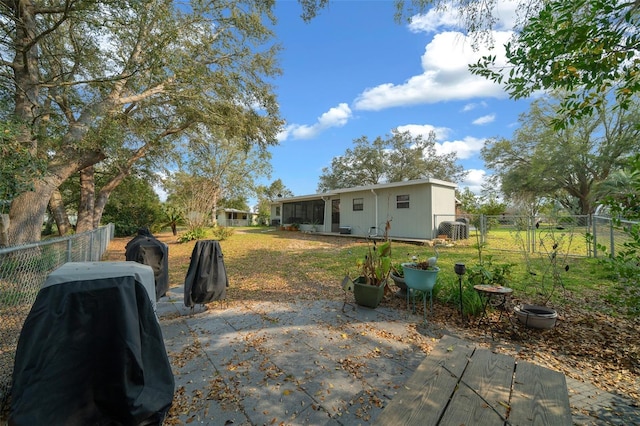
[[91, 353], [206, 278], [146, 249]]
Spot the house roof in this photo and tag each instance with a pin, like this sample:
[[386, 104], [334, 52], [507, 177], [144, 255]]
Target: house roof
[[367, 188], [236, 211]]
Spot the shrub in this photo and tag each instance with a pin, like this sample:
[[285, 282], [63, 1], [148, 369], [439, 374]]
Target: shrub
[[448, 292], [221, 233], [192, 234]]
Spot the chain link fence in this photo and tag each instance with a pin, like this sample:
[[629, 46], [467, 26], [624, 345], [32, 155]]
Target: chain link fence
[[608, 237], [577, 236], [23, 269]]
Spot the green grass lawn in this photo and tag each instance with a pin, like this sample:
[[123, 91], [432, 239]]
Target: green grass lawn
[[276, 257]]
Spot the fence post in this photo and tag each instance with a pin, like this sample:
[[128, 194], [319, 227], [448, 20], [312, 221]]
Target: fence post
[[594, 242], [531, 235], [91, 259], [612, 238], [69, 247]]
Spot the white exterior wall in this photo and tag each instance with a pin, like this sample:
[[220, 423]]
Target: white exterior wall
[[274, 215], [444, 206], [222, 219], [359, 221], [426, 199], [412, 222]]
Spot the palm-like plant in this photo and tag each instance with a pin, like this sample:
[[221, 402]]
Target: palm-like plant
[[173, 218]]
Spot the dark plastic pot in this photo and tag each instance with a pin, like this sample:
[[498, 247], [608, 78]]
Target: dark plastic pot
[[367, 295]]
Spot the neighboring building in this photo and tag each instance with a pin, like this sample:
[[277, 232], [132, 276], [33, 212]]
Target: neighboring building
[[235, 217], [414, 207]]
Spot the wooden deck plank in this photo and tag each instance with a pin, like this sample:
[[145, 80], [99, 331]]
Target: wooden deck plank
[[429, 388], [461, 384], [483, 394], [539, 397]]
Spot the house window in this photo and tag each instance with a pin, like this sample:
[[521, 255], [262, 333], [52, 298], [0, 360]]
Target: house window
[[358, 204], [402, 201], [277, 210]]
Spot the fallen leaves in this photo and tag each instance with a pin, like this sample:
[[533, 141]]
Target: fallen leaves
[[586, 344]]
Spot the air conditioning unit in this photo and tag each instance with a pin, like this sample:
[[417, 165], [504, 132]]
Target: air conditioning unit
[[345, 229]]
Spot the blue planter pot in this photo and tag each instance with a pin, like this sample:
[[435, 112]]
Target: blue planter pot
[[420, 280]]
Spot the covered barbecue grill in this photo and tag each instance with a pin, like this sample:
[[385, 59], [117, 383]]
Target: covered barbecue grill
[[91, 350]]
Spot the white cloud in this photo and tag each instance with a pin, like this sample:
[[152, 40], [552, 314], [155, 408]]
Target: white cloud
[[474, 180], [444, 17], [424, 130], [336, 117], [485, 119], [446, 76], [465, 148], [473, 105], [433, 21]]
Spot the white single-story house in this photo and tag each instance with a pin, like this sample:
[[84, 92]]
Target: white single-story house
[[413, 207], [235, 217]]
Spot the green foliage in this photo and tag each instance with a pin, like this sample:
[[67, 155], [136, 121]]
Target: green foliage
[[625, 264], [267, 194], [18, 166], [396, 269], [376, 265], [547, 265], [173, 218], [222, 233], [585, 48], [399, 157], [489, 273], [448, 292], [132, 205], [565, 166], [179, 69], [192, 234]]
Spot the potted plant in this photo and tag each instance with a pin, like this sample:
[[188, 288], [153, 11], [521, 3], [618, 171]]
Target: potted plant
[[397, 275], [421, 276], [372, 281]]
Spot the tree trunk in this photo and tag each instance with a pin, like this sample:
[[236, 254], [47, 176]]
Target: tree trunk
[[4, 230], [105, 192], [87, 200], [28, 209], [56, 205]]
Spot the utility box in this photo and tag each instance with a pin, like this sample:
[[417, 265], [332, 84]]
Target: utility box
[[345, 230]]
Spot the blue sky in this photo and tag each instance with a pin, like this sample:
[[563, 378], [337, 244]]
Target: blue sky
[[353, 71]]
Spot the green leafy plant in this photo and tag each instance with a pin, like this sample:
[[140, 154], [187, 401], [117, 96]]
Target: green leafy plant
[[221, 233], [375, 268], [173, 218], [376, 265], [489, 273], [448, 292], [397, 270], [192, 234]]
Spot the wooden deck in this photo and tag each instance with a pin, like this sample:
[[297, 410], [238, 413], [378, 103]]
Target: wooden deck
[[461, 384]]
